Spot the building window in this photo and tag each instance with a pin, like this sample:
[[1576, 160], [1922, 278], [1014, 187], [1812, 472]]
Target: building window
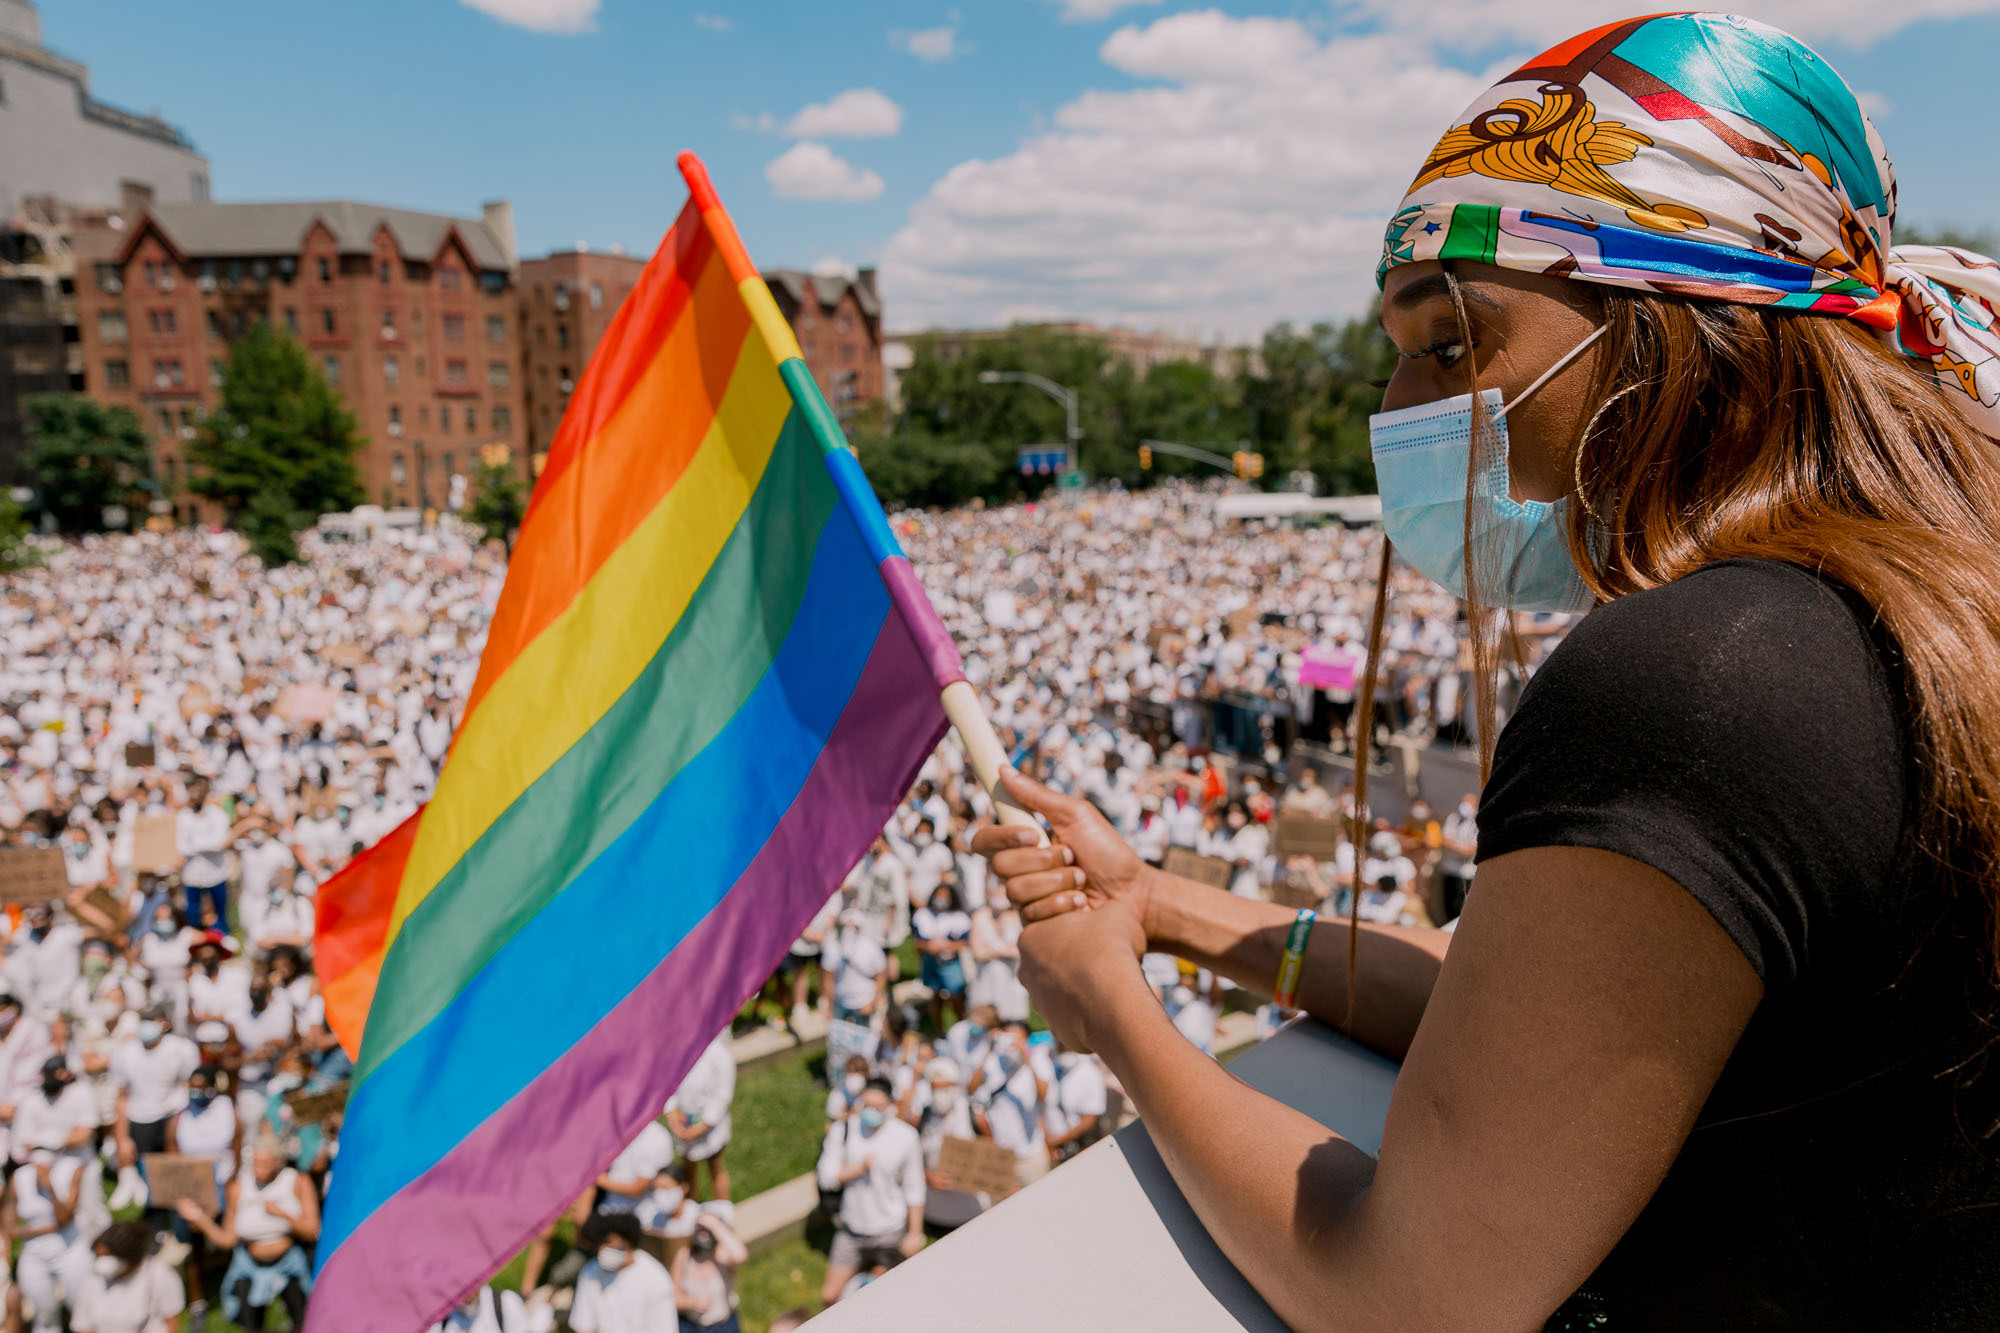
[[292, 320], [471, 419], [563, 381], [417, 321], [214, 373], [388, 323], [382, 271], [240, 318], [493, 282], [846, 322], [173, 472], [562, 337], [497, 374], [806, 322], [503, 421], [111, 326], [109, 278], [454, 373], [397, 473], [450, 464], [170, 321], [597, 296], [390, 370], [215, 324], [444, 418], [448, 278], [454, 328], [166, 422], [152, 274], [187, 420], [235, 272], [325, 269], [562, 296], [208, 272], [259, 271], [496, 329], [117, 375], [395, 419], [326, 324], [167, 374], [153, 321], [333, 370], [847, 352]]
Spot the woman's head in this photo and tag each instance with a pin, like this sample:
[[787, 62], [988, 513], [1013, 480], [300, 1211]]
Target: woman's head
[[125, 1245], [1771, 380], [944, 898]]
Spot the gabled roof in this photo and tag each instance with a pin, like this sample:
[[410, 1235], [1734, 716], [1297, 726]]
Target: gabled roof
[[250, 230], [827, 292]]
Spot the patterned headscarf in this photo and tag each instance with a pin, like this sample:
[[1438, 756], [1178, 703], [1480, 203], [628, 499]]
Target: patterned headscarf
[[1710, 156]]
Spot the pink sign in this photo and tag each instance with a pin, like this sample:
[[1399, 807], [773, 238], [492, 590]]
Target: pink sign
[[1325, 667]]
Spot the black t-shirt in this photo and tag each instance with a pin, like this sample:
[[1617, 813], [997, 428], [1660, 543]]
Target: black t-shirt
[[1743, 730]]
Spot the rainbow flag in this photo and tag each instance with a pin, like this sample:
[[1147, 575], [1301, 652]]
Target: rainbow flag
[[710, 677]]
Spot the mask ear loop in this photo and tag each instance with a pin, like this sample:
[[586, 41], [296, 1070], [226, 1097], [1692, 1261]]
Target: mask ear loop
[[1549, 374]]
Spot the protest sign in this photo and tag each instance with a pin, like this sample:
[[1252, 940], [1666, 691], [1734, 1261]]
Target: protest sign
[[138, 755], [1294, 893], [32, 875], [980, 1166], [845, 1040], [1324, 667], [347, 655], [303, 705], [1307, 835], [1210, 870], [172, 1177], [309, 1107], [155, 848]]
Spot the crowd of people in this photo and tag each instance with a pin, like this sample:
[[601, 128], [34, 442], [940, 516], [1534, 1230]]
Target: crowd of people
[[207, 741]]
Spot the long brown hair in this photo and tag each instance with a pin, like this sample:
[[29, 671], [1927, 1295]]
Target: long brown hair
[[1725, 431]]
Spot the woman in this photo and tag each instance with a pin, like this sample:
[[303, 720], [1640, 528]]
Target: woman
[[705, 1277], [205, 1128], [40, 1214], [996, 958], [1707, 1051], [268, 1219], [128, 1290], [942, 929]]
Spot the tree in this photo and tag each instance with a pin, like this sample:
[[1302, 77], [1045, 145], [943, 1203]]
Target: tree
[[499, 500], [1309, 401], [84, 456], [271, 525], [15, 552], [280, 431]]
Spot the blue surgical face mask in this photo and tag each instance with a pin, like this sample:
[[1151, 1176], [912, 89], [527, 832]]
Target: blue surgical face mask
[[871, 1119], [1422, 455]]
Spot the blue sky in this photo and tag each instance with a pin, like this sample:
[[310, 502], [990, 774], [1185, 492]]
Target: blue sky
[[1152, 162]]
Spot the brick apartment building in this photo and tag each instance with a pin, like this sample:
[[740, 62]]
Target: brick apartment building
[[838, 322], [411, 316], [567, 300]]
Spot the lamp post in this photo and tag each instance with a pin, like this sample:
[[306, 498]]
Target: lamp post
[[1067, 397]]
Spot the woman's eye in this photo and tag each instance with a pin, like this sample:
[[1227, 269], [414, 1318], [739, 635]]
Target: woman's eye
[[1449, 354]]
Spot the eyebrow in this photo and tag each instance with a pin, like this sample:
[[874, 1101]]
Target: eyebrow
[[1438, 285]]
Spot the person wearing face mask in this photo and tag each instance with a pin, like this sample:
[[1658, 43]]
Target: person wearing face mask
[[1460, 838], [215, 987], [859, 983], [995, 945], [623, 1289], [942, 929], [1711, 1046], [1243, 843], [928, 859], [876, 1162], [265, 1028], [698, 1113], [129, 1289], [150, 1072], [40, 1212], [202, 836], [1009, 1092], [46, 960], [1074, 1113], [491, 1311], [165, 952], [269, 1216], [206, 1128], [705, 1277], [967, 1044], [25, 1048], [845, 1095]]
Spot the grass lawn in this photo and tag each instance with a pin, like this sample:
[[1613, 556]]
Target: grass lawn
[[780, 1280], [780, 1118]]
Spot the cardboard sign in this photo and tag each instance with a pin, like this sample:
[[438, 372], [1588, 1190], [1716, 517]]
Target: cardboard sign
[[172, 1177], [309, 1108], [303, 705], [1210, 870], [1308, 835], [141, 756], [1288, 893], [156, 850], [32, 875], [980, 1166], [107, 902], [845, 1040]]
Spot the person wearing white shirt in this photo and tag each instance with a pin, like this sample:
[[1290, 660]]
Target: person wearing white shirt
[[1244, 847], [201, 835], [635, 1172], [967, 1044], [858, 980], [927, 860], [129, 1289], [1184, 818], [216, 988], [264, 860], [150, 1072], [25, 1048], [46, 961], [877, 1163], [40, 1212], [881, 885], [622, 1289], [704, 1276], [1076, 1104], [276, 916], [996, 959], [1149, 838], [1193, 1002], [1008, 1093], [698, 1113], [265, 1027]]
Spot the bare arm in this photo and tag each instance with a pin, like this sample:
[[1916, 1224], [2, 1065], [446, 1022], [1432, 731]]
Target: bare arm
[[1587, 1008]]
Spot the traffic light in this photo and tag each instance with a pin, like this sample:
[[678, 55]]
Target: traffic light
[[1145, 458], [1241, 458], [1256, 462]]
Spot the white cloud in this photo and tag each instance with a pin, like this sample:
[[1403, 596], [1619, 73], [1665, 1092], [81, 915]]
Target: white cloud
[[1250, 179], [541, 15], [1878, 107], [763, 122], [811, 170], [930, 45], [714, 22], [858, 113], [1095, 11]]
